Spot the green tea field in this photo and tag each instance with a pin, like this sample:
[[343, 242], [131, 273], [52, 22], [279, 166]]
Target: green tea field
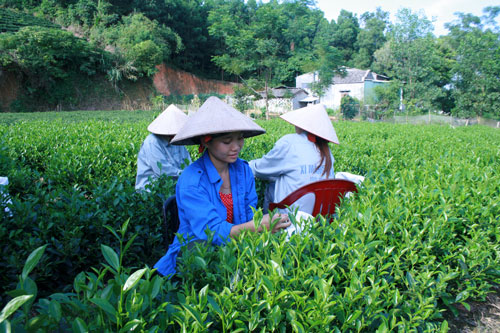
[[420, 238]]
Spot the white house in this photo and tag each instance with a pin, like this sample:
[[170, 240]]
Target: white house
[[358, 83]]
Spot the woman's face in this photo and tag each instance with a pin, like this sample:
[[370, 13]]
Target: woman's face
[[226, 148]]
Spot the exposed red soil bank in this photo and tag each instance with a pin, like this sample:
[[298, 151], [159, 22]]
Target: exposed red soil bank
[[9, 88], [169, 81]]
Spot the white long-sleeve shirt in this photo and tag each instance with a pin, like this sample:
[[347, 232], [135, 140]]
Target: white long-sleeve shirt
[[158, 150], [290, 164]]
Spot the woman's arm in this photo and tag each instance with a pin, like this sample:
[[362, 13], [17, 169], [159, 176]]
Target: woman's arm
[[273, 164], [280, 221]]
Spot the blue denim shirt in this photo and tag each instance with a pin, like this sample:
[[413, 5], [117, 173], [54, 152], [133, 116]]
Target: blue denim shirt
[[200, 206]]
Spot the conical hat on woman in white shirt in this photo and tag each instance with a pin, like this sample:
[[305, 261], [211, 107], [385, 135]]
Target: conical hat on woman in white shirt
[[313, 119], [215, 117], [168, 122]]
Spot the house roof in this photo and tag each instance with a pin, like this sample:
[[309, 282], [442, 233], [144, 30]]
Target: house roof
[[309, 99], [281, 91], [355, 75]]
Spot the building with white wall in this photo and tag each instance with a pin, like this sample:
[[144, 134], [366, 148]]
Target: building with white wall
[[357, 83]]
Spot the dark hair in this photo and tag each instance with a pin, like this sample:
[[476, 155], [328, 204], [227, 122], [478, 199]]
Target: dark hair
[[326, 158]]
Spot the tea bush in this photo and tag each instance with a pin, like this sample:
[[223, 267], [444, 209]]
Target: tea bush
[[12, 21], [420, 236]]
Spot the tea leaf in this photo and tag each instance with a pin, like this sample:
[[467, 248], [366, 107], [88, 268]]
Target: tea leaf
[[104, 305], [112, 231], [134, 279], [131, 325], [32, 260], [55, 310], [444, 327], [213, 304], [411, 281], [155, 286], [297, 327], [466, 305], [13, 305], [193, 312], [111, 257], [79, 326]]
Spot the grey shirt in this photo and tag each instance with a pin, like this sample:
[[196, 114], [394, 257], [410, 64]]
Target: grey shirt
[[290, 164], [157, 156]]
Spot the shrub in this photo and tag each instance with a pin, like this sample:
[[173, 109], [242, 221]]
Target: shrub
[[420, 237], [349, 107]]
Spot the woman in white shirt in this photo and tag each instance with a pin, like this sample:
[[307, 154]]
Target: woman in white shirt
[[300, 158]]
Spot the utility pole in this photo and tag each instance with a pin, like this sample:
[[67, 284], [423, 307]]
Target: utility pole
[[401, 98], [401, 105]]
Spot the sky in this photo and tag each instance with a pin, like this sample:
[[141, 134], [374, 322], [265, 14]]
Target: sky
[[441, 11]]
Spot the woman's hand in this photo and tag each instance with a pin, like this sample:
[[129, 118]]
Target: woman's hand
[[277, 222], [281, 221]]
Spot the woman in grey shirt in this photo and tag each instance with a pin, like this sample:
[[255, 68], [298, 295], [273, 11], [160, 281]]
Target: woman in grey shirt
[[157, 156], [300, 158]]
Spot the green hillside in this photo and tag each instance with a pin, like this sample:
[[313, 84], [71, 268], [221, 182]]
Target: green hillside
[[12, 21]]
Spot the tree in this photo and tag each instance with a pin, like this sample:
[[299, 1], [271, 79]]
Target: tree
[[387, 99], [324, 59], [251, 39], [49, 61], [370, 38], [345, 34], [300, 39], [349, 106], [476, 78], [189, 20], [326, 65], [85, 13], [271, 42], [445, 60], [410, 56], [141, 42], [46, 54]]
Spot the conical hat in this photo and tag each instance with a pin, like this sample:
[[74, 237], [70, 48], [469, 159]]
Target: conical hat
[[168, 122], [215, 116], [314, 120]]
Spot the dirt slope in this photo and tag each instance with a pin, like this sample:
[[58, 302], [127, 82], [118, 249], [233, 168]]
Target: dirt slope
[[169, 81], [134, 95]]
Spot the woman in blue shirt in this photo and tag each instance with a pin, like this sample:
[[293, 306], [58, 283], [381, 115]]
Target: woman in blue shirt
[[217, 191]]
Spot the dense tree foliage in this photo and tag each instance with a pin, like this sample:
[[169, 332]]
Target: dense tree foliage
[[476, 71], [457, 73], [272, 42], [45, 56], [262, 45], [370, 38], [345, 34], [410, 56]]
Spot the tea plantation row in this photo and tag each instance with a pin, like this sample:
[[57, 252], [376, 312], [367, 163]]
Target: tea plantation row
[[422, 234]]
